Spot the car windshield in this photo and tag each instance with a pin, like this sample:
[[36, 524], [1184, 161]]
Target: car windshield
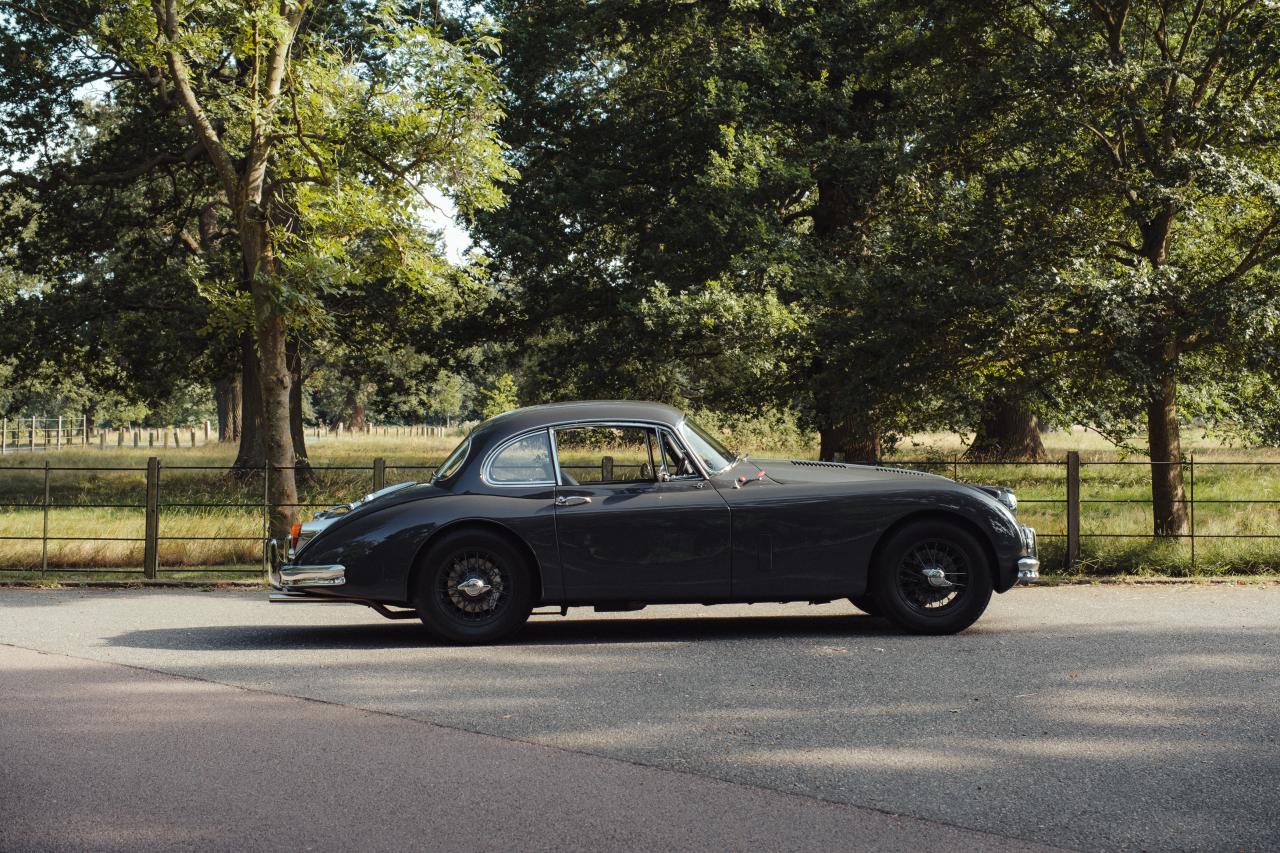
[[451, 465], [714, 455]]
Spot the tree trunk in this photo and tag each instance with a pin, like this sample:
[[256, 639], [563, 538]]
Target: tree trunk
[[1168, 497], [296, 429], [251, 454], [226, 396], [1164, 441], [853, 440], [276, 384], [1008, 429], [353, 413]]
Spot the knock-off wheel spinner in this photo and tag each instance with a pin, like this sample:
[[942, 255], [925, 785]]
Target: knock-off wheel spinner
[[932, 575], [474, 585]]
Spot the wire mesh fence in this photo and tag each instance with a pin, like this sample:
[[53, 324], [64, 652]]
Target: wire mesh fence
[[147, 520]]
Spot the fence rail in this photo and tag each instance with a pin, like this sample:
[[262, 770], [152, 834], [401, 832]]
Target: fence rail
[[159, 514]]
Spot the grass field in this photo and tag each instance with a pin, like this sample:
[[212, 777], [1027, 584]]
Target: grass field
[[212, 520]]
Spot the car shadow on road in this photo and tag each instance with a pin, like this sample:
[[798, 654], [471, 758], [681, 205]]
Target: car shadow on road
[[541, 631]]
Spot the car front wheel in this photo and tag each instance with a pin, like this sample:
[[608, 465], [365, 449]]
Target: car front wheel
[[474, 587], [933, 577]]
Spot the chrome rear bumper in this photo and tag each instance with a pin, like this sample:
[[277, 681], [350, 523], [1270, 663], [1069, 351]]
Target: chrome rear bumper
[[332, 575], [286, 576]]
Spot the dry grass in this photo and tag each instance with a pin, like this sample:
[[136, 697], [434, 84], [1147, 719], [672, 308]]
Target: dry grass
[[344, 470]]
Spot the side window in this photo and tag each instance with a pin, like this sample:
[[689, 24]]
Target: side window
[[607, 454], [526, 460]]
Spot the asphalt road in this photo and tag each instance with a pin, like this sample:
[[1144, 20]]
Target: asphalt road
[[1079, 717]]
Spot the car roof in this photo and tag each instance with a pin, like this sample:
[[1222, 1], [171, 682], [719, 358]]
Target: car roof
[[549, 414]]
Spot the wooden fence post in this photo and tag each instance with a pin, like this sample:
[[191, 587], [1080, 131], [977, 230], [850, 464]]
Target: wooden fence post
[[59, 444], [379, 473], [86, 430], [1073, 509], [606, 468], [193, 435], [120, 437], [4, 437], [1191, 507], [206, 432], [44, 534], [151, 538], [102, 439]]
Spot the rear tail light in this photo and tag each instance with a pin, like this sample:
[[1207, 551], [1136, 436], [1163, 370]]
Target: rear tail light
[[294, 533]]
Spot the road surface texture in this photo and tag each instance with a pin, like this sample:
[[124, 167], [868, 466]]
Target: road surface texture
[[1106, 718]]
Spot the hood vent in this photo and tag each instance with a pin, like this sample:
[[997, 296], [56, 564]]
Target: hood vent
[[901, 471], [814, 464]]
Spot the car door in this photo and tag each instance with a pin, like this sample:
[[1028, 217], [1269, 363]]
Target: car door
[[629, 529]]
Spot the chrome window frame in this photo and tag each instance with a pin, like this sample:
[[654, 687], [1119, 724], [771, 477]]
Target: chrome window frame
[[700, 474], [492, 456], [654, 425], [697, 457], [462, 463]]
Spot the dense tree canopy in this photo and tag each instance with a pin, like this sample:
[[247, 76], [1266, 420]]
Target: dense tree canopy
[[890, 216], [876, 216]]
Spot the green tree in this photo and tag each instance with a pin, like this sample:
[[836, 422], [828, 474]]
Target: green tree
[[1154, 127], [502, 397], [322, 125]]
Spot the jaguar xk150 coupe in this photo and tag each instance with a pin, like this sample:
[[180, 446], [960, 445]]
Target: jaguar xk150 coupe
[[618, 505]]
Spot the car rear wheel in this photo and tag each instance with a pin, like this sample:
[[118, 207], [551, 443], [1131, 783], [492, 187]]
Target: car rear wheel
[[475, 587], [933, 577]]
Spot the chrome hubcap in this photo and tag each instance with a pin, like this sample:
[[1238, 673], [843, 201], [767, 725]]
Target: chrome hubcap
[[933, 576], [474, 586], [936, 577]]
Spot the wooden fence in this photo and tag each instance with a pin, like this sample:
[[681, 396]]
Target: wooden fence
[[31, 434]]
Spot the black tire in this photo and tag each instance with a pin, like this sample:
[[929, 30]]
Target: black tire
[[918, 604], [867, 604], [484, 616]]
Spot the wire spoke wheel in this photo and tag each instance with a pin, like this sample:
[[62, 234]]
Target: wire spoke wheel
[[473, 588], [932, 576]]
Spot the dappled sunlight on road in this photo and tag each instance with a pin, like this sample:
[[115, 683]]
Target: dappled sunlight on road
[[1144, 710]]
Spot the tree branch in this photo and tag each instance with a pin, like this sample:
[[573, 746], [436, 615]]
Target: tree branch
[[166, 12]]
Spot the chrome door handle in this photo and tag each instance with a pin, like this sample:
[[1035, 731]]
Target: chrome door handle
[[572, 500]]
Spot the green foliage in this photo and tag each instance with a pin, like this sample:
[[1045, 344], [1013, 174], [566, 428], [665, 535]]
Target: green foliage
[[502, 397]]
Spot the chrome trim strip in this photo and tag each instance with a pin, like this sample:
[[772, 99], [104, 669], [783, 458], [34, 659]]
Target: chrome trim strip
[[555, 457], [331, 575]]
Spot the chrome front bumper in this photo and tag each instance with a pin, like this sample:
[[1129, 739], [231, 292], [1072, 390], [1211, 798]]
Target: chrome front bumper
[[1029, 565], [287, 576]]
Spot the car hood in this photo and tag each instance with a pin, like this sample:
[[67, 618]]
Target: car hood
[[787, 471]]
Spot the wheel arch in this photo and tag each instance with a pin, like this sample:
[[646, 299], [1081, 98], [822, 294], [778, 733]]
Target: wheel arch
[[956, 518], [484, 524]]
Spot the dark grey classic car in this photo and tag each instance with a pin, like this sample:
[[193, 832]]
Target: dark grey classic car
[[618, 505]]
